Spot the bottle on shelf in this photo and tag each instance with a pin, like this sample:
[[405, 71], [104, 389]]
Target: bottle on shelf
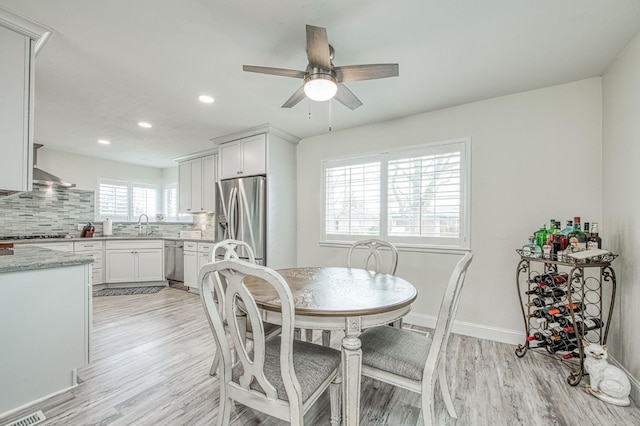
[[554, 279], [542, 291], [583, 325], [568, 228], [541, 235], [573, 354], [559, 243], [531, 249], [594, 241], [544, 334], [566, 309], [541, 302], [577, 238]]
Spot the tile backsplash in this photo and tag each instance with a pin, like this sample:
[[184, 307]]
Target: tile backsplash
[[49, 211]]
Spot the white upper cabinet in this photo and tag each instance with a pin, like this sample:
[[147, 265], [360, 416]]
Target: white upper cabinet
[[197, 184], [19, 41], [243, 157]]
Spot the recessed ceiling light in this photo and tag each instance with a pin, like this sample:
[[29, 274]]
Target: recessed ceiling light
[[144, 124], [205, 99], [104, 142]]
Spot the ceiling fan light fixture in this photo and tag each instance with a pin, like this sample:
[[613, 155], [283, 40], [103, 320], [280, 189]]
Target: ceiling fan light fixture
[[320, 87]]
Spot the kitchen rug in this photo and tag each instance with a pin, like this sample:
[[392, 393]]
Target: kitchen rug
[[127, 291]]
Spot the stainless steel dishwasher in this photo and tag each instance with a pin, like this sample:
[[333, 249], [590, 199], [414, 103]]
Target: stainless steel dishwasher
[[174, 260]]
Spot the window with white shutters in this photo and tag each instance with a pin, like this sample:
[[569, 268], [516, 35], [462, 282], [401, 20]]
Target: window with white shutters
[[410, 196], [126, 201]]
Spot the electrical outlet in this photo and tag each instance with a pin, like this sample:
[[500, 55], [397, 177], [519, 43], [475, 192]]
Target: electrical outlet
[[80, 226]]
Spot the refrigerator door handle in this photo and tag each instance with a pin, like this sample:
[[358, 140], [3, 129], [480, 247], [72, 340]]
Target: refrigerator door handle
[[233, 204], [242, 195]]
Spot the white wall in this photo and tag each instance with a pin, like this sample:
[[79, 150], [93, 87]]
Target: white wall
[[535, 156], [85, 171], [621, 200]]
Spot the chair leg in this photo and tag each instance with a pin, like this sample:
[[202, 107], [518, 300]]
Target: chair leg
[[397, 323], [335, 397], [224, 412], [297, 334], [444, 388], [309, 335], [215, 364], [326, 338], [428, 403]]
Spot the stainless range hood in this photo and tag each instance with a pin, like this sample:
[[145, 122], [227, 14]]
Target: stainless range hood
[[44, 178]]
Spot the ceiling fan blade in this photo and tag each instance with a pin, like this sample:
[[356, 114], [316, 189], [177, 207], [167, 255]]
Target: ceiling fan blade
[[366, 72], [318, 47], [274, 71], [346, 97], [297, 96]]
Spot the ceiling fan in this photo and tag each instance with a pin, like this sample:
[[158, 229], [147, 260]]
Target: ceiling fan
[[323, 80]]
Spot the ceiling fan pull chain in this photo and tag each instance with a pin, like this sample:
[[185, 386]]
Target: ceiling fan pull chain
[[309, 104]]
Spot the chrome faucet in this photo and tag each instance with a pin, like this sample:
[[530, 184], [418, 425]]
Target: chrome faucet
[[146, 231]]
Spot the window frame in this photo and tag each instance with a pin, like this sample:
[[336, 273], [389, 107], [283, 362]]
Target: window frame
[[461, 243]]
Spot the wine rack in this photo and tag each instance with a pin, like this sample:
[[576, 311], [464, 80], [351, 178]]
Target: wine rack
[[586, 300]]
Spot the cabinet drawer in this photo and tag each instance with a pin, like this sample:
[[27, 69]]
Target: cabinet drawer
[[134, 244], [204, 247], [190, 246], [87, 246]]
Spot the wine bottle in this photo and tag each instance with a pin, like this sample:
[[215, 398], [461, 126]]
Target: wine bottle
[[531, 249], [566, 309], [594, 241], [574, 354], [582, 324], [543, 334], [545, 292], [554, 279], [563, 346], [541, 302], [577, 238], [559, 243]]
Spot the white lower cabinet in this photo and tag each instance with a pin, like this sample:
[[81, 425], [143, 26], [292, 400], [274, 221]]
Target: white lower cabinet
[[195, 256], [134, 261], [94, 249]]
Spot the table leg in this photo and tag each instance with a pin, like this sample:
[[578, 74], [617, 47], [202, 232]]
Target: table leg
[[351, 372]]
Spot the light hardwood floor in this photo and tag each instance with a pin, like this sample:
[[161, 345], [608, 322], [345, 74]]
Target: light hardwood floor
[[152, 355]]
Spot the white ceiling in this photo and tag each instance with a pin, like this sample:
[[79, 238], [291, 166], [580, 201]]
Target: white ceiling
[[113, 63]]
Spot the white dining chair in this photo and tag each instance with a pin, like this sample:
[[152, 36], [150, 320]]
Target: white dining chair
[[279, 376], [228, 249], [373, 250], [370, 255], [414, 361]]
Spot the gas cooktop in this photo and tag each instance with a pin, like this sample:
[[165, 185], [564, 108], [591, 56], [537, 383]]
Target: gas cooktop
[[33, 237]]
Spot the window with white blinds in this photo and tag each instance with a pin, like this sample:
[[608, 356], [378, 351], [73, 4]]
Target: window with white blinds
[[126, 201], [410, 196], [170, 205]]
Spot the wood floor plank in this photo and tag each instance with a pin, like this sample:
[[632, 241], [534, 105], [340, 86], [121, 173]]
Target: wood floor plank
[[152, 355]]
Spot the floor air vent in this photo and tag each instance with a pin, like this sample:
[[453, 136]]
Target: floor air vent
[[31, 419]]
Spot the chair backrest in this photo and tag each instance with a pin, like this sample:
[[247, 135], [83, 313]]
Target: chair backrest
[[446, 315], [373, 248], [237, 297], [230, 249]]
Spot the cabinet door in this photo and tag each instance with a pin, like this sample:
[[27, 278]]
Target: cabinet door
[[150, 265], [209, 165], [184, 186], [196, 185], [191, 269], [254, 155], [230, 160], [15, 107], [120, 266]]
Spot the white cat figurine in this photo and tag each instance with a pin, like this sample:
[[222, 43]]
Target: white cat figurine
[[607, 382]]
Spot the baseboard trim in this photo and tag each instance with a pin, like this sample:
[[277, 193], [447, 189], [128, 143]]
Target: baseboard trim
[[28, 404], [503, 335]]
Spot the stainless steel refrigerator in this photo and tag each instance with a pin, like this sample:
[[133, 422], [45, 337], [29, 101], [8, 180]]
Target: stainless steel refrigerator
[[241, 214]]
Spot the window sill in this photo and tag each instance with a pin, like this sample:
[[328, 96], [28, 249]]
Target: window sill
[[403, 247]]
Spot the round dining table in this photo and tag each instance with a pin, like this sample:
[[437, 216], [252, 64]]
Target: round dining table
[[347, 299]]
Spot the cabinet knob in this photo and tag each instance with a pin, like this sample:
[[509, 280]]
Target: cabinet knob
[[240, 172]]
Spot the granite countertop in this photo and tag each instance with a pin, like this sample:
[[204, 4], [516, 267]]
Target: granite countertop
[[26, 258]]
